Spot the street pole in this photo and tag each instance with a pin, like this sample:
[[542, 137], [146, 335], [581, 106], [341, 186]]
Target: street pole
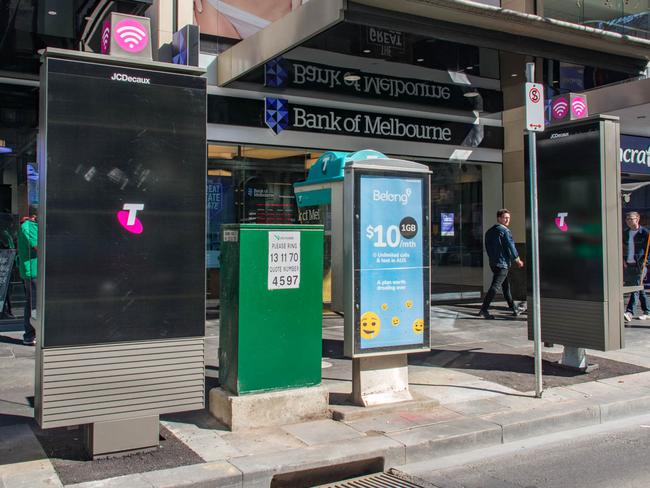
[[534, 236]]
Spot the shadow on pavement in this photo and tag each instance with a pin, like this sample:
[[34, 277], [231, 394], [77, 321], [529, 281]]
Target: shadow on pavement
[[517, 371]]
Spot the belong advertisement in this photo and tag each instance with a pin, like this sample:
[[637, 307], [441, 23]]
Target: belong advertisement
[[393, 312]]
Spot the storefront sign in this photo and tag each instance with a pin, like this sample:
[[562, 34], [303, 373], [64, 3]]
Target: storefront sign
[[365, 124], [391, 264], [285, 73], [635, 154], [284, 260], [387, 39]]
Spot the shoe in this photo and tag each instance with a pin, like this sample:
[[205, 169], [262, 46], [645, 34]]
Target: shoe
[[627, 316], [515, 312], [645, 316], [28, 342], [485, 314]]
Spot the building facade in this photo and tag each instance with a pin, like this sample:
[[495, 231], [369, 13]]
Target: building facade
[[434, 81]]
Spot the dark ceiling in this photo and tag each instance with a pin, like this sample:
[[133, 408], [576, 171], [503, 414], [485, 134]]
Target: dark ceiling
[[26, 26]]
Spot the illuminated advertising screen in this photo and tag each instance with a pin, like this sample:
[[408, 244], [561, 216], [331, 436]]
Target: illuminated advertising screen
[[570, 221], [391, 262], [123, 214]]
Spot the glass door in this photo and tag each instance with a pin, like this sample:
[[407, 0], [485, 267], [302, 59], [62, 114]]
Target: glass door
[[456, 232]]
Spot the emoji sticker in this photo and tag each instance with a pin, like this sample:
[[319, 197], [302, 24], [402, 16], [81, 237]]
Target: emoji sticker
[[409, 304], [395, 321], [370, 325], [418, 326], [384, 306]]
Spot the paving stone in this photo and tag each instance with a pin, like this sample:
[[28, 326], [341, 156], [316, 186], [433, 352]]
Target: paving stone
[[322, 431], [262, 441], [403, 420], [23, 461]]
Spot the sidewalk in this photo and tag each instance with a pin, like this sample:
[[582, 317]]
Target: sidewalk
[[479, 371]]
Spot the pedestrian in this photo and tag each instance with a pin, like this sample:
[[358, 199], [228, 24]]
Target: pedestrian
[[27, 253], [635, 255], [502, 253]]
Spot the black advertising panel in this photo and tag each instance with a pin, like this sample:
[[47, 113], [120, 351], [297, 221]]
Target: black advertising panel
[[570, 216], [124, 207]]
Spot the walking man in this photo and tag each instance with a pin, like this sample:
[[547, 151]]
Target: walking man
[[635, 248], [502, 253], [27, 253]]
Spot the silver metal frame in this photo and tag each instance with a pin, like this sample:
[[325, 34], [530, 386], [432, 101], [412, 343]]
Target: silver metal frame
[[582, 315], [349, 283]]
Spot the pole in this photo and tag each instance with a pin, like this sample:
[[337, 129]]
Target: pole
[[534, 235]]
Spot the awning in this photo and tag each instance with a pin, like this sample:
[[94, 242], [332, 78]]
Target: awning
[[457, 21]]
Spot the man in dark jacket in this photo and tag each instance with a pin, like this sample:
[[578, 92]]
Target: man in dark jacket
[[635, 244], [502, 253]]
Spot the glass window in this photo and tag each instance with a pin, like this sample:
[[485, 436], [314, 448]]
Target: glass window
[[249, 184], [629, 17]]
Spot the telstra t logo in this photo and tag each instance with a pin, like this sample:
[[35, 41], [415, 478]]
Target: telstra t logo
[[560, 223], [127, 217]]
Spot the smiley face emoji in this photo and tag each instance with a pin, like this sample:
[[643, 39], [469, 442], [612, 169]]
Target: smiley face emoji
[[418, 326], [384, 306], [409, 304], [395, 321], [370, 325]]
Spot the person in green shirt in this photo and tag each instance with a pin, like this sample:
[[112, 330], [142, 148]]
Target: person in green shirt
[[27, 254]]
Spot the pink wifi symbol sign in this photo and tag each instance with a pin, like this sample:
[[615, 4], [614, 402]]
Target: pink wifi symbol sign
[[131, 35], [578, 107], [560, 108]]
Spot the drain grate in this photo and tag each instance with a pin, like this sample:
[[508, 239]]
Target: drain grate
[[379, 480]]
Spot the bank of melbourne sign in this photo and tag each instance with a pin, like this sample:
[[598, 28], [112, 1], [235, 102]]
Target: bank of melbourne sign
[[284, 73], [280, 115]]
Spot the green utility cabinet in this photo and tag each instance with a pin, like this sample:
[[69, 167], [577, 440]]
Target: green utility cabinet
[[271, 311]]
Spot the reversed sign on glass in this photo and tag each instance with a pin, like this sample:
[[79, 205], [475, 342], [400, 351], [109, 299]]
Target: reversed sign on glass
[[392, 309], [284, 260]]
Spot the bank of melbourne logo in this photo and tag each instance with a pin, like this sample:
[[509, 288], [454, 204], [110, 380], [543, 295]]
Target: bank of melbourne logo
[[276, 114], [127, 217], [131, 35], [276, 73], [560, 221]]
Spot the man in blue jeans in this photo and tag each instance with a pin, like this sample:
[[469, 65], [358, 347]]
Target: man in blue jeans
[[502, 253], [635, 246]]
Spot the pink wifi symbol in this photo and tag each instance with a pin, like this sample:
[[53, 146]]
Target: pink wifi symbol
[[578, 107], [560, 108]]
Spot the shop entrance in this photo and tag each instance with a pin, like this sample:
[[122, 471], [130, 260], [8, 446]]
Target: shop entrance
[[456, 232], [252, 184]]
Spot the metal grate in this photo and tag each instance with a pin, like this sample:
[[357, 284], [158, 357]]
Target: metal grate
[[379, 480]]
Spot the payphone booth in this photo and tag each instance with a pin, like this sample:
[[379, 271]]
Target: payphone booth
[[580, 248], [320, 201]]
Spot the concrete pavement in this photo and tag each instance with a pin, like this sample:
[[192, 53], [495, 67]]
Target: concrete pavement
[[479, 372]]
